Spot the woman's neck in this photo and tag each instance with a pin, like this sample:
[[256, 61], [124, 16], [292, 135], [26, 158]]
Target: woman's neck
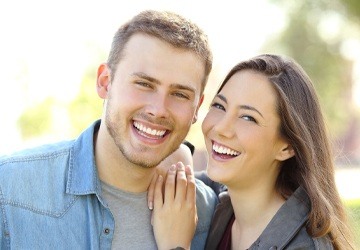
[[253, 208]]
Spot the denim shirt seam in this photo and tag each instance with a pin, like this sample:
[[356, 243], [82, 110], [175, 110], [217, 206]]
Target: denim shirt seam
[[4, 221], [43, 156], [42, 211], [69, 175]]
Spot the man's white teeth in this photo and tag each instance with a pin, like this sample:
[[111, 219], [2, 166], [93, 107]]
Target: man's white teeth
[[224, 150], [149, 131]]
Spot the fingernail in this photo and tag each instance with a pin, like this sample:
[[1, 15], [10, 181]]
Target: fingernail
[[173, 167], [151, 205], [180, 165]]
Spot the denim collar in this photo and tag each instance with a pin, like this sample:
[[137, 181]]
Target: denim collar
[[82, 176]]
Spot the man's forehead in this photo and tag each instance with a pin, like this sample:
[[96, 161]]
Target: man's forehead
[[150, 53]]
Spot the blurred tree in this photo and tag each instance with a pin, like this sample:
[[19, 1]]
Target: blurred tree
[[36, 121], [87, 106], [314, 37], [353, 9], [52, 116]]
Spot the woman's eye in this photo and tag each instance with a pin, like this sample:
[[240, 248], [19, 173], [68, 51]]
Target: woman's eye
[[217, 106], [248, 118]]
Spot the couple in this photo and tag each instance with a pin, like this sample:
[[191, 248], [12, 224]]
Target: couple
[[264, 133]]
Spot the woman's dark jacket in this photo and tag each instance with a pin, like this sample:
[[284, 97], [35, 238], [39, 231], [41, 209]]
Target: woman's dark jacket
[[286, 230]]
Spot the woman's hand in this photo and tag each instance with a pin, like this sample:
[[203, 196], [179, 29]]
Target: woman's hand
[[174, 213], [182, 154]]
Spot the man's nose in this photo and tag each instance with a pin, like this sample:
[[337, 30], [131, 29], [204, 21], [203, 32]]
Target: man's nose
[[158, 106]]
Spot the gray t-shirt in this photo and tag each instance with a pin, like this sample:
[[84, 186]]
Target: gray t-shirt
[[133, 229]]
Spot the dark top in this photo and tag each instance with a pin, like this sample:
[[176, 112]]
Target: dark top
[[286, 230], [225, 243]]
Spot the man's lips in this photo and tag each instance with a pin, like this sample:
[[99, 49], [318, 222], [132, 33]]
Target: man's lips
[[148, 132]]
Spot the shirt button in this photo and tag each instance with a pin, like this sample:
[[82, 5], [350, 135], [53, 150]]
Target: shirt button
[[106, 231]]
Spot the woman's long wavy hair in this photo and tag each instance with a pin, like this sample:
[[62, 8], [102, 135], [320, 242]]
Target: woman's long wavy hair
[[303, 126]]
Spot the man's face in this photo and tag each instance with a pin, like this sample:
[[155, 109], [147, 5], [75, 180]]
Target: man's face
[[153, 99]]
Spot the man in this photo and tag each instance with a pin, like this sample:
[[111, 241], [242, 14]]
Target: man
[[90, 193]]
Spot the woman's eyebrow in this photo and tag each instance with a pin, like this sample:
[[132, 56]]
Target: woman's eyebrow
[[246, 107]]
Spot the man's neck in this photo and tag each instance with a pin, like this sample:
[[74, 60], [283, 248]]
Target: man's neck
[[114, 169]]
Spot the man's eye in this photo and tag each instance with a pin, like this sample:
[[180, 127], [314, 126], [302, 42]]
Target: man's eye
[[143, 84], [181, 95]]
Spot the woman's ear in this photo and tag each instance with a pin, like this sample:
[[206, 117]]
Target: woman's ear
[[286, 152], [103, 80]]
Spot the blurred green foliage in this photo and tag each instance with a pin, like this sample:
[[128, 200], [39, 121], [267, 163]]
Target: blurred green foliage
[[36, 120], [353, 207], [87, 106], [319, 52], [353, 9]]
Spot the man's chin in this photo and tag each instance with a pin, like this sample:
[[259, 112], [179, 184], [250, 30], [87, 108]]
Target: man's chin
[[143, 163]]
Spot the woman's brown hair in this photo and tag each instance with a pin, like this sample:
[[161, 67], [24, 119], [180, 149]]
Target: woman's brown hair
[[303, 126]]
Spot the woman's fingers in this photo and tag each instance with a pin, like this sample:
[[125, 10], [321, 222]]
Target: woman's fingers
[[151, 190], [181, 183], [158, 195], [170, 184], [191, 187], [174, 216]]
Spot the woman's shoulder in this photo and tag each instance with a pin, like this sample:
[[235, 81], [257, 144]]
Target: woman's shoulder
[[323, 243], [303, 240]]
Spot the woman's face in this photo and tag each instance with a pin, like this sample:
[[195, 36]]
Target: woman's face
[[241, 132]]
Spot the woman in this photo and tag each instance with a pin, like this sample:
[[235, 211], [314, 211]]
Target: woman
[[267, 142]]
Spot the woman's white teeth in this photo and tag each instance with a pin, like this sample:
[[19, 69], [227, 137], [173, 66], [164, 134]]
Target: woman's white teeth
[[224, 150], [149, 131]]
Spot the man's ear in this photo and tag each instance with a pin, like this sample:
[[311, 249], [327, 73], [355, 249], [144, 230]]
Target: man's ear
[[197, 109], [103, 80], [286, 152]]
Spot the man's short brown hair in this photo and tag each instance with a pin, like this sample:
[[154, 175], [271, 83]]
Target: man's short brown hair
[[167, 26]]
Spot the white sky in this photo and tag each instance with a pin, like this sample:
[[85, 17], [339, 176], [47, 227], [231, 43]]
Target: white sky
[[46, 45]]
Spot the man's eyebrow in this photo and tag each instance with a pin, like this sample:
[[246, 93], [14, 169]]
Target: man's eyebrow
[[156, 81], [246, 107], [183, 87], [146, 77]]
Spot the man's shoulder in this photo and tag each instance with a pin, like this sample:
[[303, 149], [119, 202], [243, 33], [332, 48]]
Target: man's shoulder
[[35, 179], [35, 166], [206, 201], [205, 193], [38, 153]]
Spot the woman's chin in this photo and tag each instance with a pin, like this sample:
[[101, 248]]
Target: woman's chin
[[214, 174]]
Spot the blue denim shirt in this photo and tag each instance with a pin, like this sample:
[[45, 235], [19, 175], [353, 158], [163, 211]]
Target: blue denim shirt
[[50, 198]]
